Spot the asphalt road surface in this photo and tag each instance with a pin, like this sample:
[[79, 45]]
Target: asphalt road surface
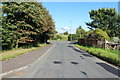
[[63, 60]]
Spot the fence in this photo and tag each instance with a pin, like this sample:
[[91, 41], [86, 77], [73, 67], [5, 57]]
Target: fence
[[93, 42], [113, 46], [100, 43]]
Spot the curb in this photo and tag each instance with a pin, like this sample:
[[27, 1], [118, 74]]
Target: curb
[[24, 67]]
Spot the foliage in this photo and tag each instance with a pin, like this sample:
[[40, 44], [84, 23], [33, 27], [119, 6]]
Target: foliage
[[106, 19], [25, 23], [8, 41], [72, 37], [65, 33], [57, 37], [98, 34], [80, 32], [88, 32], [60, 37], [106, 54], [116, 39]]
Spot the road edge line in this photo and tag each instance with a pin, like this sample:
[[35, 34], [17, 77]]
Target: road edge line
[[24, 67]]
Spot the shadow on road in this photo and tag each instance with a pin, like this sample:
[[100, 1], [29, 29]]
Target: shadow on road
[[87, 55], [76, 49], [57, 62], [70, 46], [73, 42], [82, 57], [84, 73], [110, 68], [74, 63], [82, 52]]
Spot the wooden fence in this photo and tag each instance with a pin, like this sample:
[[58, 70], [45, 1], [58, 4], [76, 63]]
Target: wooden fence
[[92, 42], [100, 43], [113, 46]]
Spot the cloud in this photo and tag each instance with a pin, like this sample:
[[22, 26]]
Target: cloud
[[65, 28]]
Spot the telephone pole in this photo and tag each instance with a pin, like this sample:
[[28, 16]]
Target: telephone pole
[[119, 7], [71, 30]]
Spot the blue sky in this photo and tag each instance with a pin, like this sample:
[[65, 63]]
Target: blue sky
[[70, 15]]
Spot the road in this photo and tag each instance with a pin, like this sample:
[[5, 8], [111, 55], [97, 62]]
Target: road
[[63, 60]]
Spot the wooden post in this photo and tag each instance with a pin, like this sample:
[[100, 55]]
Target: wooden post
[[104, 43]]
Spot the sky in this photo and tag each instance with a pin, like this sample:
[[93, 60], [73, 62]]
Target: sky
[[70, 15], [78, 0]]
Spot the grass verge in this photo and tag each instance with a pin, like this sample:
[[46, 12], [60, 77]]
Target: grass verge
[[111, 56], [16, 52]]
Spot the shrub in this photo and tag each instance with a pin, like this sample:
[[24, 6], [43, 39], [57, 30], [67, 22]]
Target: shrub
[[116, 39], [98, 34]]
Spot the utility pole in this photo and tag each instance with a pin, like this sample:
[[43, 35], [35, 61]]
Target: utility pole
[[71, 30], [119, 7]]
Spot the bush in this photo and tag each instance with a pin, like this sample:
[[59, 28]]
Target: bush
[[116, 39], [98, 34]]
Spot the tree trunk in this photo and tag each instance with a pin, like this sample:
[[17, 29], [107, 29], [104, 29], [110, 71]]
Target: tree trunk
[[17, 44]]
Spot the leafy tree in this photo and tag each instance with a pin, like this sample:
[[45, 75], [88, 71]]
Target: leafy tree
[[28, 23], [0, 26], [57, 37], [106, 19], [80, 32], [72, 37], [7, 37], [65, 33], [98, 34]]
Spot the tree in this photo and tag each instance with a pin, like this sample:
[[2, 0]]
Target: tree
[[8, 41], [106, 19], [65, 33], [80, 32], [72, 37], [57, 37], [98, 34], [28, 24]]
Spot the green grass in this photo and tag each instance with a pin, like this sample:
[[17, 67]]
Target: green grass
[[5, 55], [111, 56]]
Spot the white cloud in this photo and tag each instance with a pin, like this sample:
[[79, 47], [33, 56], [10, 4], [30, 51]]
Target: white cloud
[[65, 28]]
